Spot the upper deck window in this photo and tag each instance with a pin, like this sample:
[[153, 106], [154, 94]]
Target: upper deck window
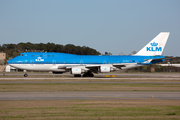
[[51, 55], [36, 55]]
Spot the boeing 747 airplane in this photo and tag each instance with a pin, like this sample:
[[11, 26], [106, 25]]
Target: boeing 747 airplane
[[86, 65]]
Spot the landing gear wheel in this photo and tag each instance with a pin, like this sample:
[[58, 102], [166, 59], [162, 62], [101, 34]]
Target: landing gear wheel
[[78, 75], [91, 75], [25, 75], [85, 75], [88, 74]]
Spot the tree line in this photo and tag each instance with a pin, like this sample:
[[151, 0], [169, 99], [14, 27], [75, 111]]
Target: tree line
[[13, 50]]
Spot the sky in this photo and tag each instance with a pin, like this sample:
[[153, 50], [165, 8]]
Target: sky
[[115, 26]]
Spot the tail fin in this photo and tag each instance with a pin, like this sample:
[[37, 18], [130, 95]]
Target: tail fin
[[155, 46]]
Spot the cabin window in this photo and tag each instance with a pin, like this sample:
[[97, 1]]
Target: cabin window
[[51, 55], [36, 55]]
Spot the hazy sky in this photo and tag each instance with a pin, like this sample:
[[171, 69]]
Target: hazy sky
[[106, 25]]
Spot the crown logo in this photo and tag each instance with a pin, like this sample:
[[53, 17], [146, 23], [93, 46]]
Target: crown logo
[[154, 44]]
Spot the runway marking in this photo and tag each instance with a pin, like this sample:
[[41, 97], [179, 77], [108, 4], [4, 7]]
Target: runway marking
[[129, 98], [176, 76]]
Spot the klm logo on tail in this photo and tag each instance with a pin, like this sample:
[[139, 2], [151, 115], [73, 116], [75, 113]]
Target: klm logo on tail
[[154, 47]]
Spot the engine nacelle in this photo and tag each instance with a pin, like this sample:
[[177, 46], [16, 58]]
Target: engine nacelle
[[105, 69], [75, 71]]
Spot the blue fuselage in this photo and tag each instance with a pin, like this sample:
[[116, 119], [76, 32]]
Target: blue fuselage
[[63, 58]]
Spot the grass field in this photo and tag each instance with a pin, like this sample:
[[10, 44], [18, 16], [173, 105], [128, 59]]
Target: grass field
[[89, 109], [51, 87]]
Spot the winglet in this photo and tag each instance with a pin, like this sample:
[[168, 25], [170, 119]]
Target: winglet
[[155, 46]]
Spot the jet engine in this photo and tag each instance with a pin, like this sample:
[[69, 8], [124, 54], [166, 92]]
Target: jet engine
[[75, 71], [105, 69]]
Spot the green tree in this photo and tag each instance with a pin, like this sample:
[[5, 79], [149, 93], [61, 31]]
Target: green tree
[[13, 50]]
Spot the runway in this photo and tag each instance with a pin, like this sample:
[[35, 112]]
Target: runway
[[88, 95], [93, 78], [93, 95], [82, 82], [152, 75]]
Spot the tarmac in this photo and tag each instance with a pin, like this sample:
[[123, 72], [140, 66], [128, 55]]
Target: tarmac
[[95, 95], [152, 75]]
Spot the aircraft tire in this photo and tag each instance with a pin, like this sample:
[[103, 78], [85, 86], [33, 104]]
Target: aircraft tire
[[92, 75], [88, 74], [85, 75], [77, 75], [25, 75]]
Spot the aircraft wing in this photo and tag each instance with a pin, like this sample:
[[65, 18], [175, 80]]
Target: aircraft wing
[[98, 66], [83, 67], [69, 66], [92, 67], [119, 65]]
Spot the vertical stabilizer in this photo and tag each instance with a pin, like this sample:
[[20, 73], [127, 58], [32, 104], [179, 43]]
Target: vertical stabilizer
[[155, 46]]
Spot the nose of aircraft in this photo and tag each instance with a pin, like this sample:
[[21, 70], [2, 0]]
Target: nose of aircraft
[[9, 61], [13, 60]]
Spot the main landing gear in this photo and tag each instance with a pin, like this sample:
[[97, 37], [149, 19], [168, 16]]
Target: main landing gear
[[77, 75], [25, 74], [87, 74]]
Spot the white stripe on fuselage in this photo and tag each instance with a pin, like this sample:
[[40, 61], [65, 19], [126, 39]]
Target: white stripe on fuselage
[[63, 67], [38, 67]]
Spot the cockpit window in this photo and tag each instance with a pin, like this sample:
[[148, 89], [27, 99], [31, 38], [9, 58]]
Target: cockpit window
[[20, 54]]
